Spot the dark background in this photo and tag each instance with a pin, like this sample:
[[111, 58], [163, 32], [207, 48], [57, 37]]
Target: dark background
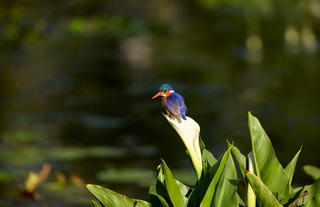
[[77, 77]]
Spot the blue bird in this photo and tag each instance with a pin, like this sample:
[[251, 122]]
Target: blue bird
[[172, 102]]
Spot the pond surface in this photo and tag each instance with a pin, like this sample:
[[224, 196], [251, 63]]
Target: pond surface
[[77, 78]]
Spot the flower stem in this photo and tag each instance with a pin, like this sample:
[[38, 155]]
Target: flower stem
[[251, 197]]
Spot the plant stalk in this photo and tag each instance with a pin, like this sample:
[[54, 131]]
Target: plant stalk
[[251, 197]]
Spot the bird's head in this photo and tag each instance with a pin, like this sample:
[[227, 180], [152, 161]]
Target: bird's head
[[165, 91]]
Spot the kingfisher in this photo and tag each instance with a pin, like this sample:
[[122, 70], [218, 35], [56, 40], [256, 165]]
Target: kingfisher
[[172, 102]]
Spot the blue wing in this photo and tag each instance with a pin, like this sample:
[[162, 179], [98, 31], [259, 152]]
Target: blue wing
[[175, 104]]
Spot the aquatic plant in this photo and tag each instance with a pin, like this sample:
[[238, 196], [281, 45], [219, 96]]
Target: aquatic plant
[[268, 184]]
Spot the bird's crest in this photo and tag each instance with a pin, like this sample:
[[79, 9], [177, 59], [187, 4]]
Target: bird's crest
[[165, 87]]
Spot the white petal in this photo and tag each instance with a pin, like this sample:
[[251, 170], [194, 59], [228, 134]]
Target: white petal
[[189, 131]]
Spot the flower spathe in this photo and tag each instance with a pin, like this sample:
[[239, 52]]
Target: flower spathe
[[189, 131]]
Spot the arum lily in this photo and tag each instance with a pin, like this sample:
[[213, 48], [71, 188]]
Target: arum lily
[[189, 131]]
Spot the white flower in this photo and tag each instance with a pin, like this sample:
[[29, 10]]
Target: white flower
[[189, 131]]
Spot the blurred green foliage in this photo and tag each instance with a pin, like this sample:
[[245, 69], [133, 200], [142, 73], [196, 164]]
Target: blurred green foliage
[[142, 177], [312, 171], [80, 74]]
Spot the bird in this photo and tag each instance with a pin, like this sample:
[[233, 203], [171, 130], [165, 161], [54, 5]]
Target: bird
[[172, 102]]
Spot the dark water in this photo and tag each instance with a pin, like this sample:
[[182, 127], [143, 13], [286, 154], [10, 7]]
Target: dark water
[[77, 78]]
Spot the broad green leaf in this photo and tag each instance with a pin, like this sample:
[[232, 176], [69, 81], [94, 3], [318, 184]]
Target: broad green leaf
[[291, 167], [240, 158], [207, 199], [226, 191], [264, 195], [200, 189], [312, 171], [312, 199], [96, 204], [112, 199], [208, 160], [241, 161], [269, 169], [182, 187], [161, 188], [155, 199], [177, 198]]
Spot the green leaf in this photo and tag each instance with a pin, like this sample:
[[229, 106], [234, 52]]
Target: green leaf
[[155, 199], [269, 169], [161, 188], [312, 171], [112, 199], [201, 143], [240, 201], [198, 193], [208, 160], [313, 197], [207, 199], [264, 195], [226, 191], [240, 158], [177, 198], [182, 187], [96, 204], [291, 166], [160, 175]]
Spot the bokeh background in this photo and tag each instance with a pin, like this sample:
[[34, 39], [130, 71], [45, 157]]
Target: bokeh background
[[77, 77]]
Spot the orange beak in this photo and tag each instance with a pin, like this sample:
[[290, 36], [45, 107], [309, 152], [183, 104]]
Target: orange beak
[[158, 94]]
